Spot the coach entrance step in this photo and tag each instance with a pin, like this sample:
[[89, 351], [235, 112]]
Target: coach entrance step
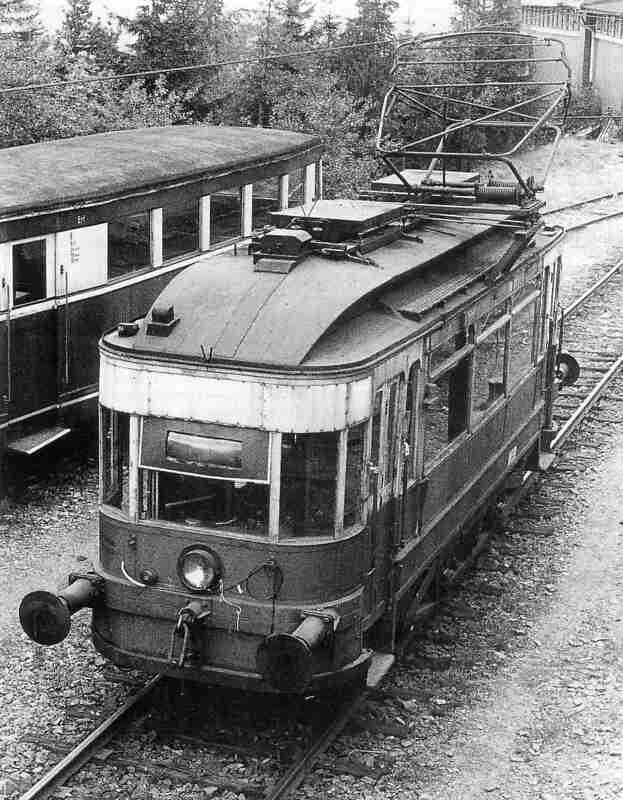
[[32, 443]]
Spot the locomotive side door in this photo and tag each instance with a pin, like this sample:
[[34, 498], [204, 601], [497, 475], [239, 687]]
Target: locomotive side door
[[384, 478], [30, 351]]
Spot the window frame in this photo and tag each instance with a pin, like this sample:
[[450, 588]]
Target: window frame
[[502, 322], [531, 299], [49, 270], [152, 250], [465, 352]]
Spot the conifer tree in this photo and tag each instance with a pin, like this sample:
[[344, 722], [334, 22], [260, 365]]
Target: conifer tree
[[81, 35], [19, 19]]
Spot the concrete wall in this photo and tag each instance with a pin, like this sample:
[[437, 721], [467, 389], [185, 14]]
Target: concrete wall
[[604, 71], [608, 71]]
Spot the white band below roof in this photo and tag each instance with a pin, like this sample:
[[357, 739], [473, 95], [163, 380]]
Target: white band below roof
[[137, 388]]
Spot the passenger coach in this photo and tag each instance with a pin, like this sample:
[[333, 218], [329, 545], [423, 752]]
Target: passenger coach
[[92, 229]]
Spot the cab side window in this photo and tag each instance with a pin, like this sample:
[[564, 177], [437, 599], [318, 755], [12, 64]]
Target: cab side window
[[354, 473], [308, 484]]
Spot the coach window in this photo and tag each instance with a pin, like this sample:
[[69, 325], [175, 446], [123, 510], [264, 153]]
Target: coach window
[[412, 417], [489, 360], [265, 199], [308, 484], [114, 450], [128, 244], [375, 450], [354, 474], [393, 393], [225, 216], [445, 404], [522, 341], [29, 272], [296, 187], [180, 228]]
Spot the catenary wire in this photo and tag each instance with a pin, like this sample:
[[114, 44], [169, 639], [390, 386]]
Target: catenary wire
[[31, 87]]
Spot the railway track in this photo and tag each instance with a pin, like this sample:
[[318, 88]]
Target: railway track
[[593, 331], [579, 215]]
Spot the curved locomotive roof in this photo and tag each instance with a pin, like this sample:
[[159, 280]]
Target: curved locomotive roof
[[44, 176], [226, 311]]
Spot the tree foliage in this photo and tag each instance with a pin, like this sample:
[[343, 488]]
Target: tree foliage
[[83, 36], [31, 116], [336, 94]]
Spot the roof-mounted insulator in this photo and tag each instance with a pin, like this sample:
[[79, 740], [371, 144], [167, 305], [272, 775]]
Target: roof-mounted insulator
[[162, 321], [280, 249]]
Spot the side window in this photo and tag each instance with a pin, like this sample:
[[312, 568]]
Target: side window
[[489, 361], [522, 342], [375, 451], [410, 409], [354, 471], [115, 442], [446, 398], [29, 269], [225, 216], [128, 244], [308, 484], [393, 393], [265, 200], [180, 229], [296, 187]]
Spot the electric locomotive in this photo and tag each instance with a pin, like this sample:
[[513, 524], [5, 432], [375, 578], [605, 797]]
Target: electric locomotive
[[296, 435]]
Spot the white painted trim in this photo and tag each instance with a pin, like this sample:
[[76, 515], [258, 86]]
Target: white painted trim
[[155, 237], [204, 223], [284, 189], [274, 502], [133, 459], [246, 203], [310, 184], [150, 389], [340, 486]]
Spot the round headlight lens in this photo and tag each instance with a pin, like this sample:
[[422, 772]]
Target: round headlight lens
[[198, 569]]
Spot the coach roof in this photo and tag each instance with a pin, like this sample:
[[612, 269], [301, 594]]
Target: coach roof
[[54, 174]]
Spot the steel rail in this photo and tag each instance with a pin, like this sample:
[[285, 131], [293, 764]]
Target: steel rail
[[592, 289], [579, 225], [81, 754], [380, 666], [298, 771], [586, 405], [580, 203]]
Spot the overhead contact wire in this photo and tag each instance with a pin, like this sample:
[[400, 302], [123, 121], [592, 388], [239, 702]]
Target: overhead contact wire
[[146, 73]]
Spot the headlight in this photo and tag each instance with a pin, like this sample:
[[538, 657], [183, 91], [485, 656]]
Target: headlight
[[199, 569]]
